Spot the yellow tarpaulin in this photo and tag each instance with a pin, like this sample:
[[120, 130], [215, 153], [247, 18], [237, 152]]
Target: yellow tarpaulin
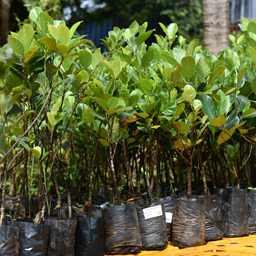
[[226, 247]]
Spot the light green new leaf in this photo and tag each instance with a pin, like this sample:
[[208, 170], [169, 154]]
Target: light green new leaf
[[192, 45], [63, 34], [147, 85], [183, 127], [85, 58], [34, 13], [241, 74], [104, 142], [62, 49], [117, 67], [25, 36], [112, 102], [179, 54], [108, 66], [55, 108], [172, 29], [24, 116], [189, 95], [16, 46], [73, 29], [49, 42], [219, 121], [252, 52], [188, 67], [203, 68], [51, 118], [42, 24], [88, 116], [36, 151], [134, 27]]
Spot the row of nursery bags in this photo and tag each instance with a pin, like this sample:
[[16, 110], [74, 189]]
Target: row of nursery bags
[[132, 227]]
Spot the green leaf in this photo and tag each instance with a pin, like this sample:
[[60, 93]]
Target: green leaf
[[24, 116], [172, 29], [62, 49], [252, 52], [251, 27], [104, 142], [219, 121], [203, 68], [209, 107], [192, 45], [183, 127], [85, 58], [180, 109], [36, 151], [97, 114], [134, 27], [189, 95], [108, 66], [112, 102], [188, 67], [117, 67], [147, 58], [42, 24], [147, 85], [102, 103], [15, 98], [179, 54], [25, 36], [182, 142], [241, 102], [55, 108], [241, 74], [34, 13], [49, 42], [63, 34], [73, 29], [217, 72], [88, 116], [16, 46], [51, 118], [143, 37]]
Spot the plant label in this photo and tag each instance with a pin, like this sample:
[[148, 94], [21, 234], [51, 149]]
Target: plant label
[[168, 216], [152, 212]]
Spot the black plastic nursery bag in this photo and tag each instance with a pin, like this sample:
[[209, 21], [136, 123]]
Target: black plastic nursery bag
[[169, 207], [33, 238], [62, 237], [121, 230], [235, 212], [188, 227], [9, 241], [251, 198], [89, 237], [213, 222], [152, 223]]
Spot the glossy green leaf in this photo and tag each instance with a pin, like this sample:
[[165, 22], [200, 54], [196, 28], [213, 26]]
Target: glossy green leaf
[[36, 151], [192, 45], [209, 107], [188, 67], [147, 58], [63, 34], [217, 72], [117, 67], [16, 46], [102, 103], [108, 66], [51, 118], [85, 58], [25, 36], [34, 13], [203, 68], [143, 37], [241, 74]]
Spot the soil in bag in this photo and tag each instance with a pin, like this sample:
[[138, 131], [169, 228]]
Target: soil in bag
[[89, 237], [33, 238], [152, 223], [188, 227], [121, 230], [213, 222], [62, 237], [235, 212], [169, 207], [9, 241], [251, 198]]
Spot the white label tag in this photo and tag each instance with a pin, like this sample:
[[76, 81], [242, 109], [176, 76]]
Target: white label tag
[[168, 216], [152, 212]]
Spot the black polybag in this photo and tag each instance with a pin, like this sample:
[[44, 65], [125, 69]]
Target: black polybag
[[235, 212], [62, 237], [213, 222], [89, 237], [33, 238], [153, 230], [121, 230], [188, 226], [169, 207], [251, 198], [9, 241]]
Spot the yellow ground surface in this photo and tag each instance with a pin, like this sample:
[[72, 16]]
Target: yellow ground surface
[[226, 247]]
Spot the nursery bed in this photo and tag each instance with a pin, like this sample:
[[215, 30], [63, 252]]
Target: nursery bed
[[225, 247]]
